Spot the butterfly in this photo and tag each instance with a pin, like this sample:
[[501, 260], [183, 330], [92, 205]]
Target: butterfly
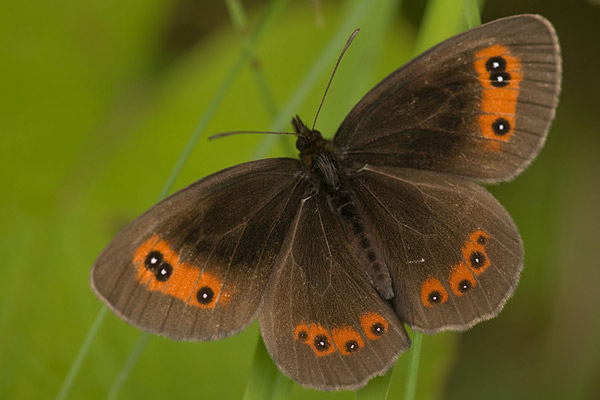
[[384, 225]]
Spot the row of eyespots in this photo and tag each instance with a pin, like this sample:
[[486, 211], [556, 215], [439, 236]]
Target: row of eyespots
[[159, 268], [461, 278], [500, 75], [347, 340]]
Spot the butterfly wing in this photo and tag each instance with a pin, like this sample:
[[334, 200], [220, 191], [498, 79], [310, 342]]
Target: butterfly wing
[[194, 266], [453, 252], [321, 321], [477, 105]]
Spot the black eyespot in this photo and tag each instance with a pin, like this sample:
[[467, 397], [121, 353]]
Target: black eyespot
[[351, 346], [477, 259], [495, 64], [163, 272], [501, 126], [377, 329], [481, 239], [302, 335], [153, 260], [500, 79], [435, 297], [322, 343], [464, 286], [205, 295]]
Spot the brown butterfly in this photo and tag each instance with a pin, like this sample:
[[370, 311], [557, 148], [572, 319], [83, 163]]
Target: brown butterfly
[[383, 225]]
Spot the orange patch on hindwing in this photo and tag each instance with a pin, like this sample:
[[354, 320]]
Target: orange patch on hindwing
[[374, 325], [159, 269], [320, 341], [500, 75], [474, 253], [461, 279], [433, 292], [347, 340], [301, 332]]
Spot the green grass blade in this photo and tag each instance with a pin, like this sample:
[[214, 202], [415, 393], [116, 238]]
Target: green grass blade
[[81, 355], [442, 19], [131, 361], [413, 367], [274, 7], [237, 15], [471, 9]]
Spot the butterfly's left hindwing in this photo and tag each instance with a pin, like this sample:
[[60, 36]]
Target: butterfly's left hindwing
[[477, 105], [195, 265], [453, 251], [322, 322]]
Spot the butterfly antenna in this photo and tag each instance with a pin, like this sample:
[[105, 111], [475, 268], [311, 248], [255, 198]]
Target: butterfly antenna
[[223, 134], [350, 39]]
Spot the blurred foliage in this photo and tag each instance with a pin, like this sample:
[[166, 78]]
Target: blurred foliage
[[98, 100]]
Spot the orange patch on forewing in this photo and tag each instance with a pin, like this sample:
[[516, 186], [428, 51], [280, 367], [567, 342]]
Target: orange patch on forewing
[[474, 251], [182, 282], [147, 277], [207, 281], [486, 121], [319, 340], [347, 340], [141, 252], [460, 274], [433, 286], [498, 102], [374, 325], [185, 279], [139, 257]]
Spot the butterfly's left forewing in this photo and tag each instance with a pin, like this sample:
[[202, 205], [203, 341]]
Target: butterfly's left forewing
[[477, 105], [195, 265], [322, 322]]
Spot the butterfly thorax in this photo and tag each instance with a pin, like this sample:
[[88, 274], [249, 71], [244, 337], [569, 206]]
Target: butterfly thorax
[[319, 157], [317, 154]]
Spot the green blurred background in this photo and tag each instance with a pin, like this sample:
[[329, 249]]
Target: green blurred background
[[98, 99]]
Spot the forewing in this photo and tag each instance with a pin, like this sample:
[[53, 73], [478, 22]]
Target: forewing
[[322, 322], [478, 105], [454, 253], [194, 266]]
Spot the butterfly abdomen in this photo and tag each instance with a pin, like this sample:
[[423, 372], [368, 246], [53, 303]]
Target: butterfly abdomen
[[362, 241]]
